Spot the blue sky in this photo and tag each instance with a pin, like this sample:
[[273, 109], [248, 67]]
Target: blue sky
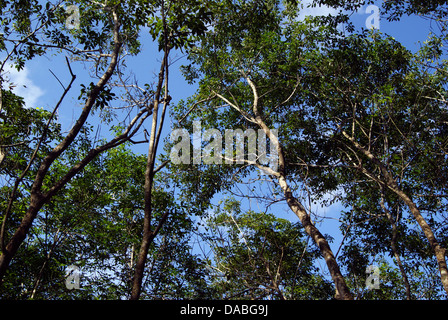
[[40, 88]]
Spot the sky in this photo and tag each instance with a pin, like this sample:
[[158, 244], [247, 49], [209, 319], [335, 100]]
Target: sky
[[40, 87]]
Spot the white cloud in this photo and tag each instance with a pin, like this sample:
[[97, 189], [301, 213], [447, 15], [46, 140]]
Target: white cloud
[[23, 85]]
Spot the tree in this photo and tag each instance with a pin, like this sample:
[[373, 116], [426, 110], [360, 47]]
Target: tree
[[93, 225], [350, 111], [28, 47], [308, 116], [177, 22], [105, 32], [380, 107], [254, 72]]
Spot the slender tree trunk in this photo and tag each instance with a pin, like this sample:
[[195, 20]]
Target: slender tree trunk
[[342, 290], [148, 233], [20, 234], [439, 251], [393, 244]]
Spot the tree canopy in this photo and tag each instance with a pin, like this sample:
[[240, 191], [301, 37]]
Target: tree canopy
[[286, 117]]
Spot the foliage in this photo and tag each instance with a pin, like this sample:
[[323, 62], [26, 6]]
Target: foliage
[[361, 120], [260, 256], [95, 225], [318, 88]]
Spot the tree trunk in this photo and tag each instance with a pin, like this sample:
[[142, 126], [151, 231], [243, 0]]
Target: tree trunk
[[439, 251], [342, 290], [148, 233], [20, 234], [393, 244]]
